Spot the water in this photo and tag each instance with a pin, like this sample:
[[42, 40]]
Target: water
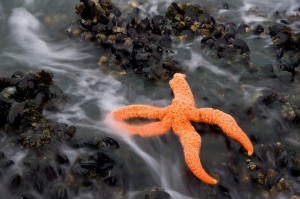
[[33, 39]]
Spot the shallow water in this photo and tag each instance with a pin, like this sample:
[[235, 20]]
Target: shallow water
[[32, 37]]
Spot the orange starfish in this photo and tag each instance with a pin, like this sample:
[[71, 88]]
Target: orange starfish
[[178, 116]]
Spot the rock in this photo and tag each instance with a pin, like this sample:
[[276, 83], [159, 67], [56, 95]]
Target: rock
[[288, 112], [156, 193], [281, 186], [46, 170]]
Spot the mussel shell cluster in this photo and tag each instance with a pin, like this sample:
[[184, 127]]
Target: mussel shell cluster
[[265, 172], [141, 46], [23, 98], [287, 47], [45, 169], [50, 172], [191, 20]]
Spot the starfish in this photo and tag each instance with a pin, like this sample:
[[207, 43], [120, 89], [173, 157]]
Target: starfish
[[178, 116]]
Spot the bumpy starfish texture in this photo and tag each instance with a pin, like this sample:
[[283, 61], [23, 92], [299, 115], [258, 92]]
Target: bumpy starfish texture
[[178, 116]]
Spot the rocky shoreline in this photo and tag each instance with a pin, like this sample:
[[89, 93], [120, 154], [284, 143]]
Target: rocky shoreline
[[135, 44], [47, 171], [53, 163], [144, 46]]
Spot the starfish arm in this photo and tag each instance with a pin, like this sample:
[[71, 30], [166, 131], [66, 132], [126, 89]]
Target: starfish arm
[[181, 89], [136, 111], [191, 143], [147, 130], [227, 123]]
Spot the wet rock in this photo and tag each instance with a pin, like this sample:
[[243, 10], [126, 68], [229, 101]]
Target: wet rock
[[288, 112], [286, 44], [185, 21], [282, 160], [57, 99], [96, 143], [282, 186], [29, 196], [22, 106], [158, 23], [258, 177], [267, 70], [279, 28], [62, 159], [156, 193], [279, 53], [258, 29], [166, 41], [269, 168], [16, 112], [14, 182], [252, 166], [219, 37], [231, 28], [93, 165], [208, 41], [225, 6], [5, 163], [285, 76], [288, 62], [46, 169], [281, 39], [241, 44], [50, 173], [186, 35], [294, 165], [268, 97], [142, 45], [272, 178], [243, 28], [137, 45], [57, 190], [153, 193]]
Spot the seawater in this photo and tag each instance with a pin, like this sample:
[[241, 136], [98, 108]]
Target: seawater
[[32, 42]]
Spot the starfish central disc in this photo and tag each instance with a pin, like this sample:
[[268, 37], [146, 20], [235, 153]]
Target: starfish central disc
[[178, 116]]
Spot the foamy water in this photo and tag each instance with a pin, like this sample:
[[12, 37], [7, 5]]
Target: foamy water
[[94, 93]]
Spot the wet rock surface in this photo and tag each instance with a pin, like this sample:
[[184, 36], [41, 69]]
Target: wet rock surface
[[223, 39], [153, 193], [269, 172], [140, 46], [144, 46], [23, 99], [57, 165], [39, 157]]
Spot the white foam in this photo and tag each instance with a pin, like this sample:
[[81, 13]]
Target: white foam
[[266, 10], [197, 60], [35, 47]]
